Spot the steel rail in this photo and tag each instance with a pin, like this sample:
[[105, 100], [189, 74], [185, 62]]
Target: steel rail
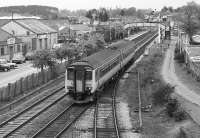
[[29, 107], [72, 122], [52, 121], [114, 110], [32, 117], [95, 119]]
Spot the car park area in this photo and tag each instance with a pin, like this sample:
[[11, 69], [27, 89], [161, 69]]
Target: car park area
[[21, 70]]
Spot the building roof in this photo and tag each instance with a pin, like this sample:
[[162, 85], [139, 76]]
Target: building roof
[[4, 36], [194, 53], [3, 21], [80, 27], [35, 26], [77, 28], [55, 24]]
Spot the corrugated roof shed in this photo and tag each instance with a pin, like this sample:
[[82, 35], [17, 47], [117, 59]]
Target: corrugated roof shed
[[35, 26]]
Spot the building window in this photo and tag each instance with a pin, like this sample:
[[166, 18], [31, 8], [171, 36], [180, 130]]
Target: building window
[[27, 33], [2, 51], [18, 48], [34, 43], [46, 44], [40, 41]]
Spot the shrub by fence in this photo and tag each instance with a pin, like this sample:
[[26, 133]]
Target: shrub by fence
[[194, 68], [25, 84]]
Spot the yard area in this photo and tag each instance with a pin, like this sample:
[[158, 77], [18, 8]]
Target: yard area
[[156, 122]]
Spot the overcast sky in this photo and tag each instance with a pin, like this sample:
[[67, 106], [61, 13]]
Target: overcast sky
[[89, 4]]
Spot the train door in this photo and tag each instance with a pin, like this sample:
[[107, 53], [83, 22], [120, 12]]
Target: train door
[[80, 81]]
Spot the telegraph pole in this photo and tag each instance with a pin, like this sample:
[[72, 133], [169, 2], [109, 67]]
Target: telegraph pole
[[140, 104]]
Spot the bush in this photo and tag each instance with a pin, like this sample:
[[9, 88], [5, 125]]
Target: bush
[[172, 107], [179, 57], [162, 94], [198, 78], [180, 115], [173, 110]]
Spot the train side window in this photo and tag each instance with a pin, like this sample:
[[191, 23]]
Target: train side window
[[70, 74], [88, 75]]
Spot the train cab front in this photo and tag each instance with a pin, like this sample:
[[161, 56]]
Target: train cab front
[[79, 83]]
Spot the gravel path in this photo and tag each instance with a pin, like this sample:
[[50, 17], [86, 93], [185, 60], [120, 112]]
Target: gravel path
[[189, 98]]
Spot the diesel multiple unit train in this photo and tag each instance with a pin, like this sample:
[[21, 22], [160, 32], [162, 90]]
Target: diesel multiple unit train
[[85, 78]]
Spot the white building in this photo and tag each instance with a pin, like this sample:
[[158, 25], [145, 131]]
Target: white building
[[34, 34], [9, 45]]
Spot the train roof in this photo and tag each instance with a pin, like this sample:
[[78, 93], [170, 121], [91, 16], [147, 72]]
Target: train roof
[[99, 58]]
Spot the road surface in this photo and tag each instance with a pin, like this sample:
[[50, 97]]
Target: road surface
[[11, 76]]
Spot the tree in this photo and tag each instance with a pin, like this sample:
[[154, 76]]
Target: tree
[[141, 13], [42, 59], [130, 11], [61, 53], [164, 9], [189, 19], [122, 12], [95, 43], [92, 15], [103, 15]]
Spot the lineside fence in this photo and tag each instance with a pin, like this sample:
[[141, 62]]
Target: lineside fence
[[25, 84]]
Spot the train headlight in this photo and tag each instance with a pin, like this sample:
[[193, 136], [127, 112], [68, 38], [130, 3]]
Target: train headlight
[[89, 88]]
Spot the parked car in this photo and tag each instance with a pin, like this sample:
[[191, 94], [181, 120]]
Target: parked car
[[11, 65], [4, 66], [18, 58]]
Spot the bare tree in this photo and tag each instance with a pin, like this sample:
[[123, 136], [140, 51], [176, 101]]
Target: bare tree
[[189, 19]]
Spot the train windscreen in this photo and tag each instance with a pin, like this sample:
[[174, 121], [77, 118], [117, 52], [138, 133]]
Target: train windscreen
[[79, 75], [70, 74], [88, 75]]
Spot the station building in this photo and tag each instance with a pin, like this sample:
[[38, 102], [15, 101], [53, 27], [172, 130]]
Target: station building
[[34, 34], [9, 45]]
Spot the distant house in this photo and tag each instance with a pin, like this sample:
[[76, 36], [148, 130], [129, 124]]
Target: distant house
[[74, 31], [83, 20], [34, 34], [9, 45]]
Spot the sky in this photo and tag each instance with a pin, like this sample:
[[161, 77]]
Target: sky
[[89, 4]]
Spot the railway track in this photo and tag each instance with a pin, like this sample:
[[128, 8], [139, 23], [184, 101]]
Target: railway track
[[105, 118], [20, 119], [62, 122]]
